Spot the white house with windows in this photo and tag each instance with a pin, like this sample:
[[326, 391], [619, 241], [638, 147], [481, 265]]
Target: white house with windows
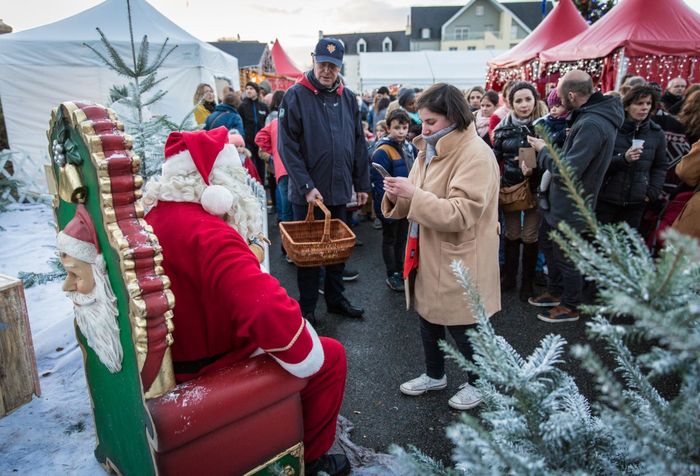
[[476, 25]]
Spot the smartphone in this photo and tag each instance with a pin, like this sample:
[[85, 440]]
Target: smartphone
[[382, 171]]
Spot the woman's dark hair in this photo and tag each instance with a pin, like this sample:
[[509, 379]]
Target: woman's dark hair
[[276, 100], [638, 92], [492, 97], [519, 86], [449, 101], [383, 103]]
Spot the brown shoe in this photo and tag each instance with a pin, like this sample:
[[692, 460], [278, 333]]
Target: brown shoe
[[545, 300], [558, 314]]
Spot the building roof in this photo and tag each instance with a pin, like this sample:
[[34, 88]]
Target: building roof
[[529, 13], [249, 53], [430, 17], [399, 40]]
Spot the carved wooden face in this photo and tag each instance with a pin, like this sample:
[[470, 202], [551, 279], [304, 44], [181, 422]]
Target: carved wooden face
[[80, 278]]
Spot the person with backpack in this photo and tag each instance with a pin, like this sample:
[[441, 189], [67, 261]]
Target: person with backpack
[[225, 114]]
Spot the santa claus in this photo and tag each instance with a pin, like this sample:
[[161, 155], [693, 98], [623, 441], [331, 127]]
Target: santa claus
[[87, 285], [227, 309]]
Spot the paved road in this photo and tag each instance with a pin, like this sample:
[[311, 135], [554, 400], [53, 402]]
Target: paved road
[[384, 349]]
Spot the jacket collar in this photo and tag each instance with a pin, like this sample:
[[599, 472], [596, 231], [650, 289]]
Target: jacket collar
[[450, 143], [304, 81]]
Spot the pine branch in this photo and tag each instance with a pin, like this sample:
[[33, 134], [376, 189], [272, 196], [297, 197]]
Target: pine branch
[[142, 59], [160, 58]]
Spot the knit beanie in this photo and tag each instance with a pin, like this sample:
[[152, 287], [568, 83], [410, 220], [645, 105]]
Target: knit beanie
[[553, 98], [253, 85]]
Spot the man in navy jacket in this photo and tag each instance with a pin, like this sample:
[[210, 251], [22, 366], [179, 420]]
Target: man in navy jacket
[[323, 148]]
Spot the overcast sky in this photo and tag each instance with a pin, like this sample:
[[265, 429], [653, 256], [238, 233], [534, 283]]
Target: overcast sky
[[295, 22]]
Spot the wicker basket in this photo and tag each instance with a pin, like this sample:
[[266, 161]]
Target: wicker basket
[[317, 242]]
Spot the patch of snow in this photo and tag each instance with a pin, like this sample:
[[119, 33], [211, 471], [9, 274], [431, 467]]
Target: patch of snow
[[54, 433]]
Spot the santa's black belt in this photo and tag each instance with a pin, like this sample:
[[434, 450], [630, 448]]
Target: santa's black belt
[[194, 366]]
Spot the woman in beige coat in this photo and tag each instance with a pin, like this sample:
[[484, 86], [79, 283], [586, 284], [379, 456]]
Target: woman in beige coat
[[688, 170], [451, 200]]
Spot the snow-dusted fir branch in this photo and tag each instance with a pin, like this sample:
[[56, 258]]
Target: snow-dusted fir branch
[[534, 419]]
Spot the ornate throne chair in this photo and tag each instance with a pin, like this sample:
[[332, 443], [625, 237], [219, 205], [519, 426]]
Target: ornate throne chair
[[245, 419]]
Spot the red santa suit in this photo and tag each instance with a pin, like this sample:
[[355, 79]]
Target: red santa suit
[[227, 309]]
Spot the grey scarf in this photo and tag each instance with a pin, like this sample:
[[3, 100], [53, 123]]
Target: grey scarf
[[430, 152]]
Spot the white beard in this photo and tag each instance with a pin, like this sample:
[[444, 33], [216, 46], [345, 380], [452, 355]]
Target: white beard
[[96, 314]]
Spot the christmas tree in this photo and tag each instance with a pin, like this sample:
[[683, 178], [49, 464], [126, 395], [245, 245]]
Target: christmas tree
[[593, 10], [534, 418], [132, 100]]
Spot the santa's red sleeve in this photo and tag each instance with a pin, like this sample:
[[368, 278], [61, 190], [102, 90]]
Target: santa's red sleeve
[[256, 305]]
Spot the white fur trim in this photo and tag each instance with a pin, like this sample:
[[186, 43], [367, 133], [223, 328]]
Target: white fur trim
[[216, 199], [76, 248], [182, 163], [178, 164], [313, 361]]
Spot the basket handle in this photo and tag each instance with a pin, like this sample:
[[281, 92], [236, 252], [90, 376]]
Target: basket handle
[[326, 220]]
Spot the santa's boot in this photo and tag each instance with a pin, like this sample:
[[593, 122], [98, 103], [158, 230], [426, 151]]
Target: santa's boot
[[529, 264], [510, 268]]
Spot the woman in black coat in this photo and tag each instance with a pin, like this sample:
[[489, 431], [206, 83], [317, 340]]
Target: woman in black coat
[[636, 174], [509, 137]]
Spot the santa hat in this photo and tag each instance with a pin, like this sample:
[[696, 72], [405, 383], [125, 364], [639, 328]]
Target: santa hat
[[79, 239], [203, 150], [236, 140]]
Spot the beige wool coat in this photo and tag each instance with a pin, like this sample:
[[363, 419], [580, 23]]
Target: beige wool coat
[[456, 206], [688, 170]]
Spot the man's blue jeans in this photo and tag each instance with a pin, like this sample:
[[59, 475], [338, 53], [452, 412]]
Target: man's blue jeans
[[284, 206]]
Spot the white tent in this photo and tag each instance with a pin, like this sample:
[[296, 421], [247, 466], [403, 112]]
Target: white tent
[[41, 67], [423, 68]]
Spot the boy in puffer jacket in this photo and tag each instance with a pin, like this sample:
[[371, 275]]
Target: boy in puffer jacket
[[396, 155]]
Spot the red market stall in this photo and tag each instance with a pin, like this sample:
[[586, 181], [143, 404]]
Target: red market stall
[[277, 68], [658, 40], [522, 61]]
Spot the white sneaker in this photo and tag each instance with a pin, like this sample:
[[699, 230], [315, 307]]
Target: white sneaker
[[422, 384], [467, 397]]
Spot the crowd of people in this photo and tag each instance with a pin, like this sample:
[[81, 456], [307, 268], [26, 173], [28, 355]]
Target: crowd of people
[[446, 175]]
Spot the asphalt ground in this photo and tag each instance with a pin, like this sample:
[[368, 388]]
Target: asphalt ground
[[384, 350]]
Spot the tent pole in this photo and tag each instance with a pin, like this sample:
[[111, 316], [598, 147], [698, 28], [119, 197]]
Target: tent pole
[[621, 69]]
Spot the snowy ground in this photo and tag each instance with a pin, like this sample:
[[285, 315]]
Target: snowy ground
[[54, 433]]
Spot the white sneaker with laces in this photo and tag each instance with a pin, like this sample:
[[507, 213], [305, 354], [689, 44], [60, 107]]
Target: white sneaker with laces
[[422, 384], [467, 397]]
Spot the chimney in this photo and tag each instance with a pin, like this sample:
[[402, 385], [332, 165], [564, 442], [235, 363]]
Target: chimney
[[4, 27], [320, 34], [408, 24]]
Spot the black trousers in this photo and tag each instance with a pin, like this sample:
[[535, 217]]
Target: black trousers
[[308, 278], [563, 278], [610, 213], [431, 334], [394, 235]]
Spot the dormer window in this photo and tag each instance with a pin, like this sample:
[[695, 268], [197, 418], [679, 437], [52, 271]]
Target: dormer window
[[479, 11], [361, 46], [425, 34], [387, 45]]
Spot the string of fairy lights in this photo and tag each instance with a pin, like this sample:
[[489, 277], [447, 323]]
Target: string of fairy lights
[[659, 68]]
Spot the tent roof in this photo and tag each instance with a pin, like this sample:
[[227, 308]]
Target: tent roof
[[423, 68], [283, 63], [548, 34], [111, 17], [642, 27]]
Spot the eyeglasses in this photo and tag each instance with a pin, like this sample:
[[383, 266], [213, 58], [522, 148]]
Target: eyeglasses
[[328, 66]]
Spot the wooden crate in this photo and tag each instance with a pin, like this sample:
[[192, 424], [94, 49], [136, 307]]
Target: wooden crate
[[18, 374]]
